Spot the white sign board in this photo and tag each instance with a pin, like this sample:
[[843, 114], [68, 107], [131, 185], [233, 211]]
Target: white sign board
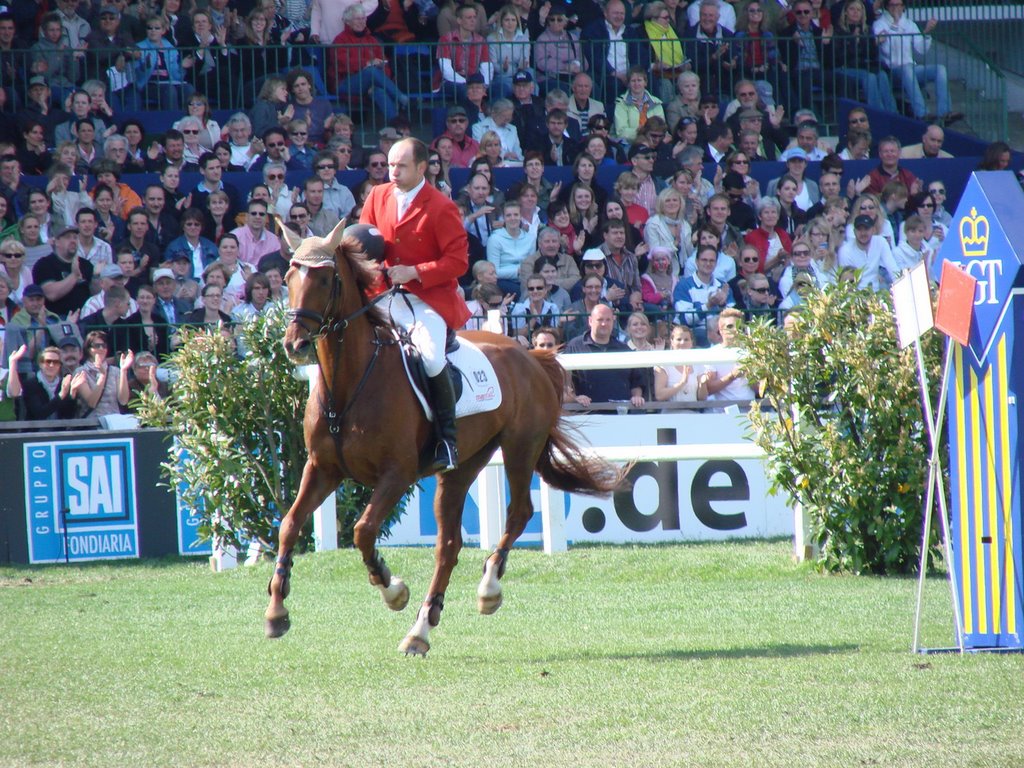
[[694, 500]]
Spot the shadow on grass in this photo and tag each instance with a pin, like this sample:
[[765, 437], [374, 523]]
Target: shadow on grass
[[782, 651]]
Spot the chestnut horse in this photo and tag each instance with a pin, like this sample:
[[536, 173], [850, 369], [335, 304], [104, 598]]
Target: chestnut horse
[[364, 422]]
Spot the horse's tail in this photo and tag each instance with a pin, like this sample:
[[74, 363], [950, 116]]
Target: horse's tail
[[563, 464]]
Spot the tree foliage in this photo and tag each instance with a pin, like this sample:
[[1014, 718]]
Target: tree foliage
[[845, 433], [238, 423]]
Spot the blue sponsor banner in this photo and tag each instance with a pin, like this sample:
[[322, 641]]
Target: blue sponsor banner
[[80, 499], [189, 518]]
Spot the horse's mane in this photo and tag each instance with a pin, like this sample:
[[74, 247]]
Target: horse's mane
[[366, 272]]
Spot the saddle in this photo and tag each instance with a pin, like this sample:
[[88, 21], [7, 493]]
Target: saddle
[[473, 378]]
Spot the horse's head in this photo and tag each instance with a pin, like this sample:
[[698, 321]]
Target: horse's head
[[314, 290]]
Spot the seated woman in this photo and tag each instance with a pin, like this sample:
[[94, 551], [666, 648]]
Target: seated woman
[[686, 102], [199, 251], [668, 228], [192, 129], [160, 70], [636, 105], [271, 109], [45, 395], [199, 108], [509, 246], [584, 171], [210, 314], [771, 240], [109, 226], [667, 56], [215, 63], [32, 152], [260, 54], [148, 329], [547, 268]]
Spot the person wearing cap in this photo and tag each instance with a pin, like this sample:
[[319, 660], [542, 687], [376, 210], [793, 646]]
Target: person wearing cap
[[869, 254], [807, 191], [613, 292], [357, 64], [475, 100], [557, 52], [642, 158], [33, 325], [462, 52], [166, 286], [64, 277], [110, 275], [464, 147], [748, 112], [107, 45], [509, 51], [425, 252]]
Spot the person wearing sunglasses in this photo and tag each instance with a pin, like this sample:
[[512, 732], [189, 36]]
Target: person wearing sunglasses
[[254, 240], [101, 388], [275, 150], [803, 52], [45, 395]]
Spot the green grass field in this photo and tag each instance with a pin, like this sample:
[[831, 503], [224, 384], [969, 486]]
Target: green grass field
[[689, 655]]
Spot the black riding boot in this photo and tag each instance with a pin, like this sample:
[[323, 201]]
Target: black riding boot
[[442, 397]]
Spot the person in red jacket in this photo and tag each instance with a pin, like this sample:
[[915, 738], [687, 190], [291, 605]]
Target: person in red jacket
[[425, 252], [358, 65]]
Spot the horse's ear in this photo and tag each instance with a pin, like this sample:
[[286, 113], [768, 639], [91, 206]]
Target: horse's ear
[[291, 239], [337, 235]]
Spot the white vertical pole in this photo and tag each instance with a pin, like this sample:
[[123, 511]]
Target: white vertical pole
[[491, 502], [325, 517], [552, 511], [224, 557], [325, 525]]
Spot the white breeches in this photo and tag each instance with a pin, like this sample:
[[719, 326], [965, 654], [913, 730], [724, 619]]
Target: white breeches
[[425, 326]]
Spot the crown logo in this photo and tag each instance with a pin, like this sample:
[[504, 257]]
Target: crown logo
[[974, 234]]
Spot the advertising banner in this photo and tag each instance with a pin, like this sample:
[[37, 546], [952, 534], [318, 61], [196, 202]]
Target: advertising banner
[[80, 500], [697, 500]]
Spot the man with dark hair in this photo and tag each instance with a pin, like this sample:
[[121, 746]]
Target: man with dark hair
[[163, 226], [555, 145], [321, 218], [427, 265], [621, 263], [212, 171], [173, 154], [140, 243], [254, 239], [377, 167], [64, 277], [719, 142], [110, 319]]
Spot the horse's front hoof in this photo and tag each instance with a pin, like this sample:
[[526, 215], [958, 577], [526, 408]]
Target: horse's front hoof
[[277, 627], [414, 645], [396, 597], [488, 604]]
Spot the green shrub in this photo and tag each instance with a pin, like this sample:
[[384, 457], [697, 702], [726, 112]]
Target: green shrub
[[845, 433], [240, 423]]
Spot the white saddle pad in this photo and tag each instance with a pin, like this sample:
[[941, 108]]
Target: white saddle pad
[[480, 389]]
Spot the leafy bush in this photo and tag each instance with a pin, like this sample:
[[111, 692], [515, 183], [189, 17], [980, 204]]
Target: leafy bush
[[845, 433], [239, 422]]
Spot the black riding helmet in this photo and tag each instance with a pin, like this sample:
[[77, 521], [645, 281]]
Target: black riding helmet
[[370, 238]]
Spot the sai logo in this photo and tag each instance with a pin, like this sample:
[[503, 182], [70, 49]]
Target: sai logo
[[94, 484]]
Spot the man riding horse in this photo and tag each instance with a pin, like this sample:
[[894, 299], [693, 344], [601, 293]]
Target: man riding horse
[[425, 252]]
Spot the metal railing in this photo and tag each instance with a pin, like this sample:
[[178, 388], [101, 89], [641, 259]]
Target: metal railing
[[989, 28], [234, 81]]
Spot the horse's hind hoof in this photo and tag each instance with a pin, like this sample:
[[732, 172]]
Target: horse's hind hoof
[[413, 645], [396, 596], [488, 604], [277, 627]]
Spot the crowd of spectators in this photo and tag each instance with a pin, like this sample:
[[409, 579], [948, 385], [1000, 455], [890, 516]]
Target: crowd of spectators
[[678, 99]]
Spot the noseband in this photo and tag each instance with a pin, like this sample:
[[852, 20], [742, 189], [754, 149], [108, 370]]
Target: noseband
[[324, 326]]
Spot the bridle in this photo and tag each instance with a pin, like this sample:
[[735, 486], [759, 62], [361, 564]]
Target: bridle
[[325, 326]]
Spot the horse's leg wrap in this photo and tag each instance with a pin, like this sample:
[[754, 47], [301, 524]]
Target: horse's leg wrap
[[380, 576], [435, 606], [283, 568]]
